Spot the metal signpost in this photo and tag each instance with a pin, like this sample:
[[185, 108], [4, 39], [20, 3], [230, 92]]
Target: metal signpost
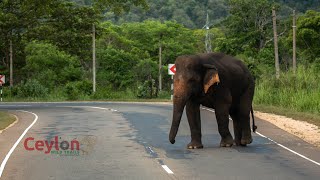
[[2, 81], [172, 71]]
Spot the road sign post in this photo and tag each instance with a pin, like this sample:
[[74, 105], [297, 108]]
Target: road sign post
[[2, 81], [171, 71], [1, 92], [171, 97]]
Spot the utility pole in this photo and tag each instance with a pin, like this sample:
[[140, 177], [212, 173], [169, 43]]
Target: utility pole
[[160, 65], [294, 56], [94, 56], [208, 38], [11, 64], [276, 51]]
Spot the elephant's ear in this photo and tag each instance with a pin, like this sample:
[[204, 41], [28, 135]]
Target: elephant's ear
[[211, 76]]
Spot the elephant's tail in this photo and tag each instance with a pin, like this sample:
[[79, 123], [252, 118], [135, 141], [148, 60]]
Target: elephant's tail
[[254, 127]]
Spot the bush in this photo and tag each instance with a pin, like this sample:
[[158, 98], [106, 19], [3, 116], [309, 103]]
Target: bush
[[32, 88], [51, 66], [74, 90], [115, 68], [106, 93], [147, 89], [164, 95]]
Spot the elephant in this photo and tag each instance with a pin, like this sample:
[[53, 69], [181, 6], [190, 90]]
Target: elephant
[[217, 81]]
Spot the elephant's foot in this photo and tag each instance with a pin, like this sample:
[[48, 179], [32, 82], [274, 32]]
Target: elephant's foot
[[237, 142], [226, 142], [245, 141], [237, 138], [195, 145]]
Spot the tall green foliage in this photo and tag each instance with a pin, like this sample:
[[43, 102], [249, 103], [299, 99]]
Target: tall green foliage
[[190, 13], [50, 66], [60, 22], [308, 36], [247, 26], [136, 45], [67, 27], [52, 42], [299, 92], [115, 68], [15, 18]]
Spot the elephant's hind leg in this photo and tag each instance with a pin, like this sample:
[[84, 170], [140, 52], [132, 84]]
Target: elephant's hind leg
[[246, 137], [243, 116], [236, 128], [193, 115]]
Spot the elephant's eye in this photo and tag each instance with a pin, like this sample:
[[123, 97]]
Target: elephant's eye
[[190, 67]]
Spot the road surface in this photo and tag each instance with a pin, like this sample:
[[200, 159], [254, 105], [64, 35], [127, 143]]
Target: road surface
[[130, 141]]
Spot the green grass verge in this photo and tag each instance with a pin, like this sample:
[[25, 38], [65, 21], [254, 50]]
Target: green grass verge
[[295, 95], [86, 98], [57, 96], [5, 120], [312, 118]]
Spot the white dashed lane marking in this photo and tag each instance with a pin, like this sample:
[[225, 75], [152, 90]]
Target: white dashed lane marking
[[165, 167]]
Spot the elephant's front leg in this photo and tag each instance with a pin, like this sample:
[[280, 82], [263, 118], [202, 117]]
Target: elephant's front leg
[[193, 115], [237, 129], [222, 115]]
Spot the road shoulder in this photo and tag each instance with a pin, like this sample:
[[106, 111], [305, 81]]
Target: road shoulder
[[304, 130], [10, 135]]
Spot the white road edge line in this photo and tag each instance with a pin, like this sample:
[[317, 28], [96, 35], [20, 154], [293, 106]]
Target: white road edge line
[[109, 109], [165, 167], [284, 147], [9, 105], [4, 162]]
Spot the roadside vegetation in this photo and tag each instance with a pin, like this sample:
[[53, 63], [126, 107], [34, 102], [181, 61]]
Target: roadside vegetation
[[52, 52], [5, 120]]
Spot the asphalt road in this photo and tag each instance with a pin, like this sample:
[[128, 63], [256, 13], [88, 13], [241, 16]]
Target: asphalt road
[[130, 141]]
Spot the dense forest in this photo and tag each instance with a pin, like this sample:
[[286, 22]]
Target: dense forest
[[52, 46], [192, 13]]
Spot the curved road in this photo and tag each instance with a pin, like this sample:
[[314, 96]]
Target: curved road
[[130, 141]]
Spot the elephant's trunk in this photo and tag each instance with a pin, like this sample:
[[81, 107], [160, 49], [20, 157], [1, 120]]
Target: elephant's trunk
[[179, 101]]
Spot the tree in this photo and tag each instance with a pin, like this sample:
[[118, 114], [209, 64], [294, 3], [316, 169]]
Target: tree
[[248, 24], [69, 28], [117, 6], [190, 13], [50, 66], [308, 35], [115, 68], [15, 17], [141, 41], [59, 22]]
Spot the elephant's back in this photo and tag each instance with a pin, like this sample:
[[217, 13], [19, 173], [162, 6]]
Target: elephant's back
[[224, 62], [233, 72]]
